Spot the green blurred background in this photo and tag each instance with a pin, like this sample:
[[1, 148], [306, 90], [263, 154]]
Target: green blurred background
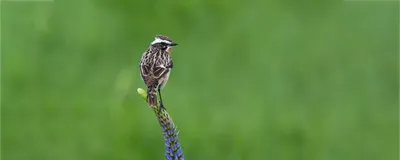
[[273, 80]]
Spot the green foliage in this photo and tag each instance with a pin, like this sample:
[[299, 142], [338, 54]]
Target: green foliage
[[142, 93], [281, 80]]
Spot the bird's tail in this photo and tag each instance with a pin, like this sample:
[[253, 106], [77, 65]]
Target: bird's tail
[[152, 96]]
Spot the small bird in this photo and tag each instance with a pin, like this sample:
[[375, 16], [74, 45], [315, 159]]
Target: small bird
[[155, 67]]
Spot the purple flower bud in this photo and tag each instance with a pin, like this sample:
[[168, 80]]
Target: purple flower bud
[[172, 146]]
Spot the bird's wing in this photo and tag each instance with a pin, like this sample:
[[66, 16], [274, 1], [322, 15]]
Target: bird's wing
[[159, 71], [147, 76], [144, 69], [162, 67]]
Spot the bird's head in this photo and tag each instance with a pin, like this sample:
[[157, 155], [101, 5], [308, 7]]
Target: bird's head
[[163, 43]]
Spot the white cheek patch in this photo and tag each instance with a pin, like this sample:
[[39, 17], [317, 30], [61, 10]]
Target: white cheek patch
[[158, 40]]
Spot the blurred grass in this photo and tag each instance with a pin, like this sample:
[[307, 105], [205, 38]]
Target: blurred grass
[[282, 80]]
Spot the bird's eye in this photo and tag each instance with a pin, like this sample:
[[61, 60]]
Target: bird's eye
[[163, 45]]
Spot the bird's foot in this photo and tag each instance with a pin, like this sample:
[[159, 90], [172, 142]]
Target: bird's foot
[[161, 107]]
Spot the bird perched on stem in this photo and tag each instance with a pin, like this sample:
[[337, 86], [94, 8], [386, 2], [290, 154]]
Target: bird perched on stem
[[155, 67]]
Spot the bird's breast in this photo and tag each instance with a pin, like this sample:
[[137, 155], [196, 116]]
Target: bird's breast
[[164, 79]]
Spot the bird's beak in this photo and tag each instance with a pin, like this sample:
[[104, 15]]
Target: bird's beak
[[173, 44]]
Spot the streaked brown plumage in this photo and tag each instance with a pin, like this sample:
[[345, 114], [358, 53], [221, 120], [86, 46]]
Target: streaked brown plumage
[[155, 67]]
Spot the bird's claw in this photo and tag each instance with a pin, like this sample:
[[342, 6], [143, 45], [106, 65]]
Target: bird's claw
[[161, 107]]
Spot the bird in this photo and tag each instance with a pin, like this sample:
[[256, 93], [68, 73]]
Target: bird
[[155, 67]]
